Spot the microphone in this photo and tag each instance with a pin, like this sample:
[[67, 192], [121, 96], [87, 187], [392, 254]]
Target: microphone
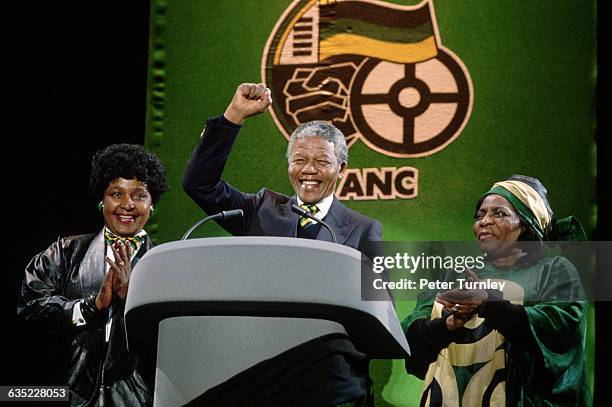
[[305, 213], [223, 215]]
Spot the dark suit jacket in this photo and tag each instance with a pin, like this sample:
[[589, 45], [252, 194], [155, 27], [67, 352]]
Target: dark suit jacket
[[266, 213], [326, 372]]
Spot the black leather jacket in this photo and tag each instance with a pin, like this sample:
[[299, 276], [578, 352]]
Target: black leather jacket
[[97, 373]]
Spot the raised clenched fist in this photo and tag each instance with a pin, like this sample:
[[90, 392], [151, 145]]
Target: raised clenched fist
[[250, 99]]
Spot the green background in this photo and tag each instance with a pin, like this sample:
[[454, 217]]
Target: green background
[[532, 65]]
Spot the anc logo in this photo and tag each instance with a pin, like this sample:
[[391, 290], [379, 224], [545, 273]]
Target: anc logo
[[378, 71]]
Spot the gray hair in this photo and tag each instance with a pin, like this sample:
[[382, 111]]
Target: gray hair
[[320, 128]]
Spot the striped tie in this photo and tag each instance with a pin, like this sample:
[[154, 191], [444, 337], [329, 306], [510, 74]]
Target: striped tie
[[310, 208]]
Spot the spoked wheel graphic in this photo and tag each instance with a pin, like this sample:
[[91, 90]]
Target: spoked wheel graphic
[[410, 110]]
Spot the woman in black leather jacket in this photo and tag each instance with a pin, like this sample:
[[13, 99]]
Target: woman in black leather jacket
[[73, 293]]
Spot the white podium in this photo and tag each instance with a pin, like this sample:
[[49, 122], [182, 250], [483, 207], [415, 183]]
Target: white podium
[[214, 307]]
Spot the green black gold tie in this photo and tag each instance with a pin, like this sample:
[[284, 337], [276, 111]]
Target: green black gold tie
[[112, 238], [312, 209]]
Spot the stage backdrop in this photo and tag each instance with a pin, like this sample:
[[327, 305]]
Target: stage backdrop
[[437, 100]]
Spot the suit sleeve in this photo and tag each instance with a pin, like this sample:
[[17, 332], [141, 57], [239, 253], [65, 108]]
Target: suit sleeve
[[375, 232], [369, 242], [370, 245], [202, 179]]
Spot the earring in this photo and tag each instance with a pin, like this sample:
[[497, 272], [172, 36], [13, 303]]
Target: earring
[[152, 210], [100, 206]]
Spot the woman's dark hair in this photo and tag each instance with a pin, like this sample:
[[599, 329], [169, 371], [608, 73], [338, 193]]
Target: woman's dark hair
[[127, 161]]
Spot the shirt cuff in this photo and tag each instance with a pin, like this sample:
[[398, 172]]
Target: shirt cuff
[[77, 315]]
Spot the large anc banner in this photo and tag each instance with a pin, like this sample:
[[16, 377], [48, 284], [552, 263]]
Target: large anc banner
[[437, 99]]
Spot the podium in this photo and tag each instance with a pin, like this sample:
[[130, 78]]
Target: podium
[[211, 308]]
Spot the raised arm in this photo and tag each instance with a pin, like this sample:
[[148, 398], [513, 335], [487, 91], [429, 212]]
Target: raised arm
[[202, 179]]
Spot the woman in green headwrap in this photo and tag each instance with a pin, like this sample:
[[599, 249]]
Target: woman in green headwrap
[[523, 346]]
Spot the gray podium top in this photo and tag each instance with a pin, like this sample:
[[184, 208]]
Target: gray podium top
[[259, 276]]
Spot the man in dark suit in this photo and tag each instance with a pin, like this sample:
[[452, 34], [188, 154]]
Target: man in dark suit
[[324, 373]]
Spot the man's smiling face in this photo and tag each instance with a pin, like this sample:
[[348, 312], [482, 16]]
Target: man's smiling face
[[314, 168]]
